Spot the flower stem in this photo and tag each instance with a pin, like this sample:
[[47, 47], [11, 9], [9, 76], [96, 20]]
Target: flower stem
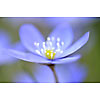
[[52, 67]]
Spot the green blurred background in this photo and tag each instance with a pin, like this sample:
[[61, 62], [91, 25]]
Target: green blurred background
[[90, 51]]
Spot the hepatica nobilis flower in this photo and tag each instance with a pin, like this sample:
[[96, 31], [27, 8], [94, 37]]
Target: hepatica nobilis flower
[[57, 48], [5, 43]]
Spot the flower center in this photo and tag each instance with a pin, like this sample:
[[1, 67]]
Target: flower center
[[51, 49], [50, 54]]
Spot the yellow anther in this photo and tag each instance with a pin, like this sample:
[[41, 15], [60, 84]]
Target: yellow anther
[[50, 54]]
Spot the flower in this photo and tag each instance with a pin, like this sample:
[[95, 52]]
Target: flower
[[67, 73], [57, 49], [5, 43]]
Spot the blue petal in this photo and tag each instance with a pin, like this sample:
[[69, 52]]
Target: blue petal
[[29, 35], [4, 44], [22, 77], [73, 72], [4, 39], [64, 32], [66, 60], [77, 45], [79, 72], [5, 58], [18, 46], [27, 56], [43, 74]]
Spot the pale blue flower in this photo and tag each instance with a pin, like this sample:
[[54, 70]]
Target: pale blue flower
[[66, 73], [57, 49], [5, 43]]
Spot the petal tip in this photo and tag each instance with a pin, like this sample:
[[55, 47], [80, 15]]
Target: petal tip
[[88, 34]]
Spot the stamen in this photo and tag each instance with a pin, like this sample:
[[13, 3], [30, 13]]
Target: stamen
[[50, 54], [37, 51], [58, 39], [48, 44], [57, 50], [44, 45], [58, 45], [62, 43], [48, 38], [48, 49], [42, 50], [61, 51], [37, 44]]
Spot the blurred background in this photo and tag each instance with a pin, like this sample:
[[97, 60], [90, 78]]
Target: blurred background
[[90, 52]]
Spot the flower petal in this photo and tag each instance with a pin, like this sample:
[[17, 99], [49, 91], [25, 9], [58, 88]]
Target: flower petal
[[64, 33], [66, 60], [5, 58], [18, 46], [78, 72], [30, 35], [27, 56], [4, 39], [43, 74], [73, 72], [77, 45]]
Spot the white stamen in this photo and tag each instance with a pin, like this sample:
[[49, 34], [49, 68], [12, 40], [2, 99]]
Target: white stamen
[[35, 43], [37, 51], [61, 51], [44, 45], [62, 43], [42, 50], [58, 44], [48, 45], [57, 50], [58, 39], [48, 38]]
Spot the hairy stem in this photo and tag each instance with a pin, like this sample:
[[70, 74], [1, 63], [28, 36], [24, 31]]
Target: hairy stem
[[52, 67]]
